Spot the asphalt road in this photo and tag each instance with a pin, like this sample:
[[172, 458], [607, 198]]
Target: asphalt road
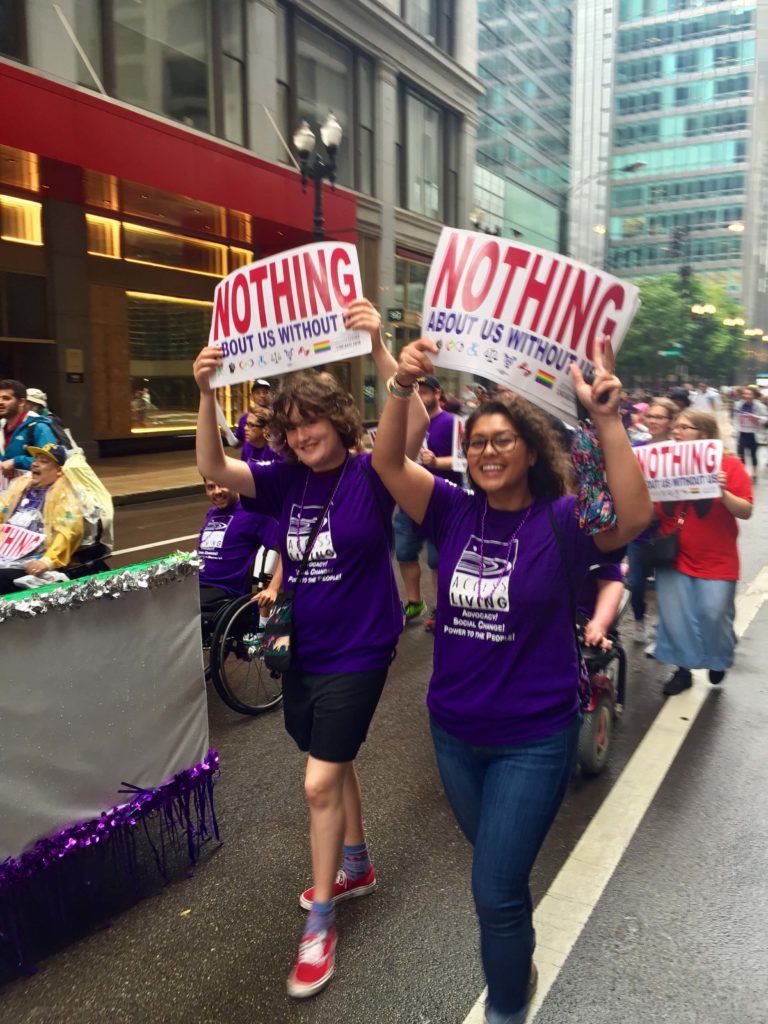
[[406, 954]]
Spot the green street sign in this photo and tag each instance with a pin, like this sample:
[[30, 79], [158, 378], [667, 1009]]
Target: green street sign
[[668, 352]]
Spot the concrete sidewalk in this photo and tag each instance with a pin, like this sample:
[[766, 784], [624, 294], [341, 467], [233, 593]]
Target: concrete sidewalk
[[131, 479]]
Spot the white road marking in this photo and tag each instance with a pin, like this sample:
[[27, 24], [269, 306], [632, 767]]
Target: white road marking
[[154, 544], [565, 909]]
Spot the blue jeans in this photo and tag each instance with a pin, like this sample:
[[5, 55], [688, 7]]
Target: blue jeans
[[505, 800], [636, 580]]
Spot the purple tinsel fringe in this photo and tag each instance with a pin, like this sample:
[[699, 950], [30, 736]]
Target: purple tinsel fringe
[[184, 804]]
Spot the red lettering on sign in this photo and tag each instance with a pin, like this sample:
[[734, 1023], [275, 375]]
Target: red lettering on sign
[[241, 304], [299, 286], [615, 297], [577, 310], [317, 282], [710, 457], [515, 259], [451, 271], [536, 291], [257, 276], [567, 270], [282, 290], [471, 299], [221, 312], [343, 284]]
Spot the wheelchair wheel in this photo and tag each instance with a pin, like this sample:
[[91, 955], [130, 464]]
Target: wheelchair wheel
[[595, 737], [238, 672]]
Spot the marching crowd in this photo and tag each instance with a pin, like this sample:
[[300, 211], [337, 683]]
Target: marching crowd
[[527, 535], [509, 552]]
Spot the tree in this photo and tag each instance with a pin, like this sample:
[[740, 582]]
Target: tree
[[667, 340]]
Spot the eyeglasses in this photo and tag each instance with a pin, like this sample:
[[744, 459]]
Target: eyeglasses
[[685, 426], [657, 418], [499, 443], [253, 423]]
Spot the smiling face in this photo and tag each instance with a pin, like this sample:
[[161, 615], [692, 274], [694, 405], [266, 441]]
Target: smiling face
[[43, 471], [498, 460], [315, 442], [221, 497]]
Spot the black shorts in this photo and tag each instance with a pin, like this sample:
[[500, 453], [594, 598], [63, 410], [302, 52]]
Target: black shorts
[[328, 715]]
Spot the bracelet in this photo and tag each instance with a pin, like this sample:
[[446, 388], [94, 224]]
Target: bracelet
[[398, 390]]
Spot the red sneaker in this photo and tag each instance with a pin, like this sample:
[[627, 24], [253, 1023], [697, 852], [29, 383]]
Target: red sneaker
[[313, 967], [344, 888]]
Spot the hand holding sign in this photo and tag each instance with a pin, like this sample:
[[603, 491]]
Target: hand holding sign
[[208, 360], [414, 361], [600, 394]]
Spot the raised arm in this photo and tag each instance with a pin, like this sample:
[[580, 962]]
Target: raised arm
[[625, 479], [409, 484], [360, 315], [211, 460]]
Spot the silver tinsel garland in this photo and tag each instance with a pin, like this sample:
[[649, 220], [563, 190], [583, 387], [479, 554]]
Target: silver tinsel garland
[[72, 595]]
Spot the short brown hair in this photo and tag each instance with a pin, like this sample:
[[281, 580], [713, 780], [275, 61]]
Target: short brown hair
[[549, 476], [315, 396], [667, 404]]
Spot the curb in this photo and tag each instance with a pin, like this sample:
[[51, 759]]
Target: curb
[[140, 497]]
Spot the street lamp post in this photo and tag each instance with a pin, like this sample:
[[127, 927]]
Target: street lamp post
[[568, 194], [315, 167]]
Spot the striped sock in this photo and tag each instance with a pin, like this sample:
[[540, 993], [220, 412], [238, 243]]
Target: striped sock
[[356, 862], [322, 916]]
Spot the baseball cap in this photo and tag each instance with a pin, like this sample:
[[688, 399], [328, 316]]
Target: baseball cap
[[431, 381], [261, 383], [55, 452], [37, 396]]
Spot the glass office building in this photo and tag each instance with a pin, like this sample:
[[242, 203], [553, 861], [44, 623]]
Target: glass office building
[[683, 114], [524, 62]]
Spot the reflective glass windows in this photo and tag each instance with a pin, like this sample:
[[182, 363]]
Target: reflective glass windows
[[162, 58]]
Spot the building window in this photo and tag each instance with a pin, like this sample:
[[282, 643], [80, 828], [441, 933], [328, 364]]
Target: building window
[[23, 307], [164, 335], [21, 221], [181, 58], [12, 29], [427, 149], [231, 27], [318, 73], [433, 19]]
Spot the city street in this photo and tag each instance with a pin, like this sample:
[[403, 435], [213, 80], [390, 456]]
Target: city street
[[217, 947]]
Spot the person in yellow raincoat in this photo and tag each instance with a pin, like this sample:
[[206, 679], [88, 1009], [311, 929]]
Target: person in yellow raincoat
[[41, 517]]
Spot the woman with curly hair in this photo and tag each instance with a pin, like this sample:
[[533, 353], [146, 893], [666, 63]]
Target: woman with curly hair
[[503, 698], [347, 614]]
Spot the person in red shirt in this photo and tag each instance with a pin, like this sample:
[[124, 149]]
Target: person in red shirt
[[696, 598]]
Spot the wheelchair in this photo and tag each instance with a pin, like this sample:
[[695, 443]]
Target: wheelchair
[[608, 681], [232, 636]]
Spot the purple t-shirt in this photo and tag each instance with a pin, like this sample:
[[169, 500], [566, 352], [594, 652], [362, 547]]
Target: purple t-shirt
[[347, 612], [439, 439], [228, 543], [263, 454], [586, 595], [505, 667]]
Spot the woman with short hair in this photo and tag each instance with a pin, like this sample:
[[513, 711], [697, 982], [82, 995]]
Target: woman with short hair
[[347, 614]]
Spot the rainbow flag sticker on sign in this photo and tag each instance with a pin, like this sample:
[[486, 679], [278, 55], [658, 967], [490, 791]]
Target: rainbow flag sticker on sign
[[547, 379], [322, 346]]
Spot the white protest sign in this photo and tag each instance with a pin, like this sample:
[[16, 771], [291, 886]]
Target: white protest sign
[[284, 313], [459, 457], [681, 470], [520, 315], [16, 542]]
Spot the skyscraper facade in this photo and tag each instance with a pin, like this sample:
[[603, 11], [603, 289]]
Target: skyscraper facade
[[524, 62], [684, 85]]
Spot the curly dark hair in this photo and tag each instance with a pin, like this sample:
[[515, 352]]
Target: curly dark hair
[[549, 477], [315, 396]]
